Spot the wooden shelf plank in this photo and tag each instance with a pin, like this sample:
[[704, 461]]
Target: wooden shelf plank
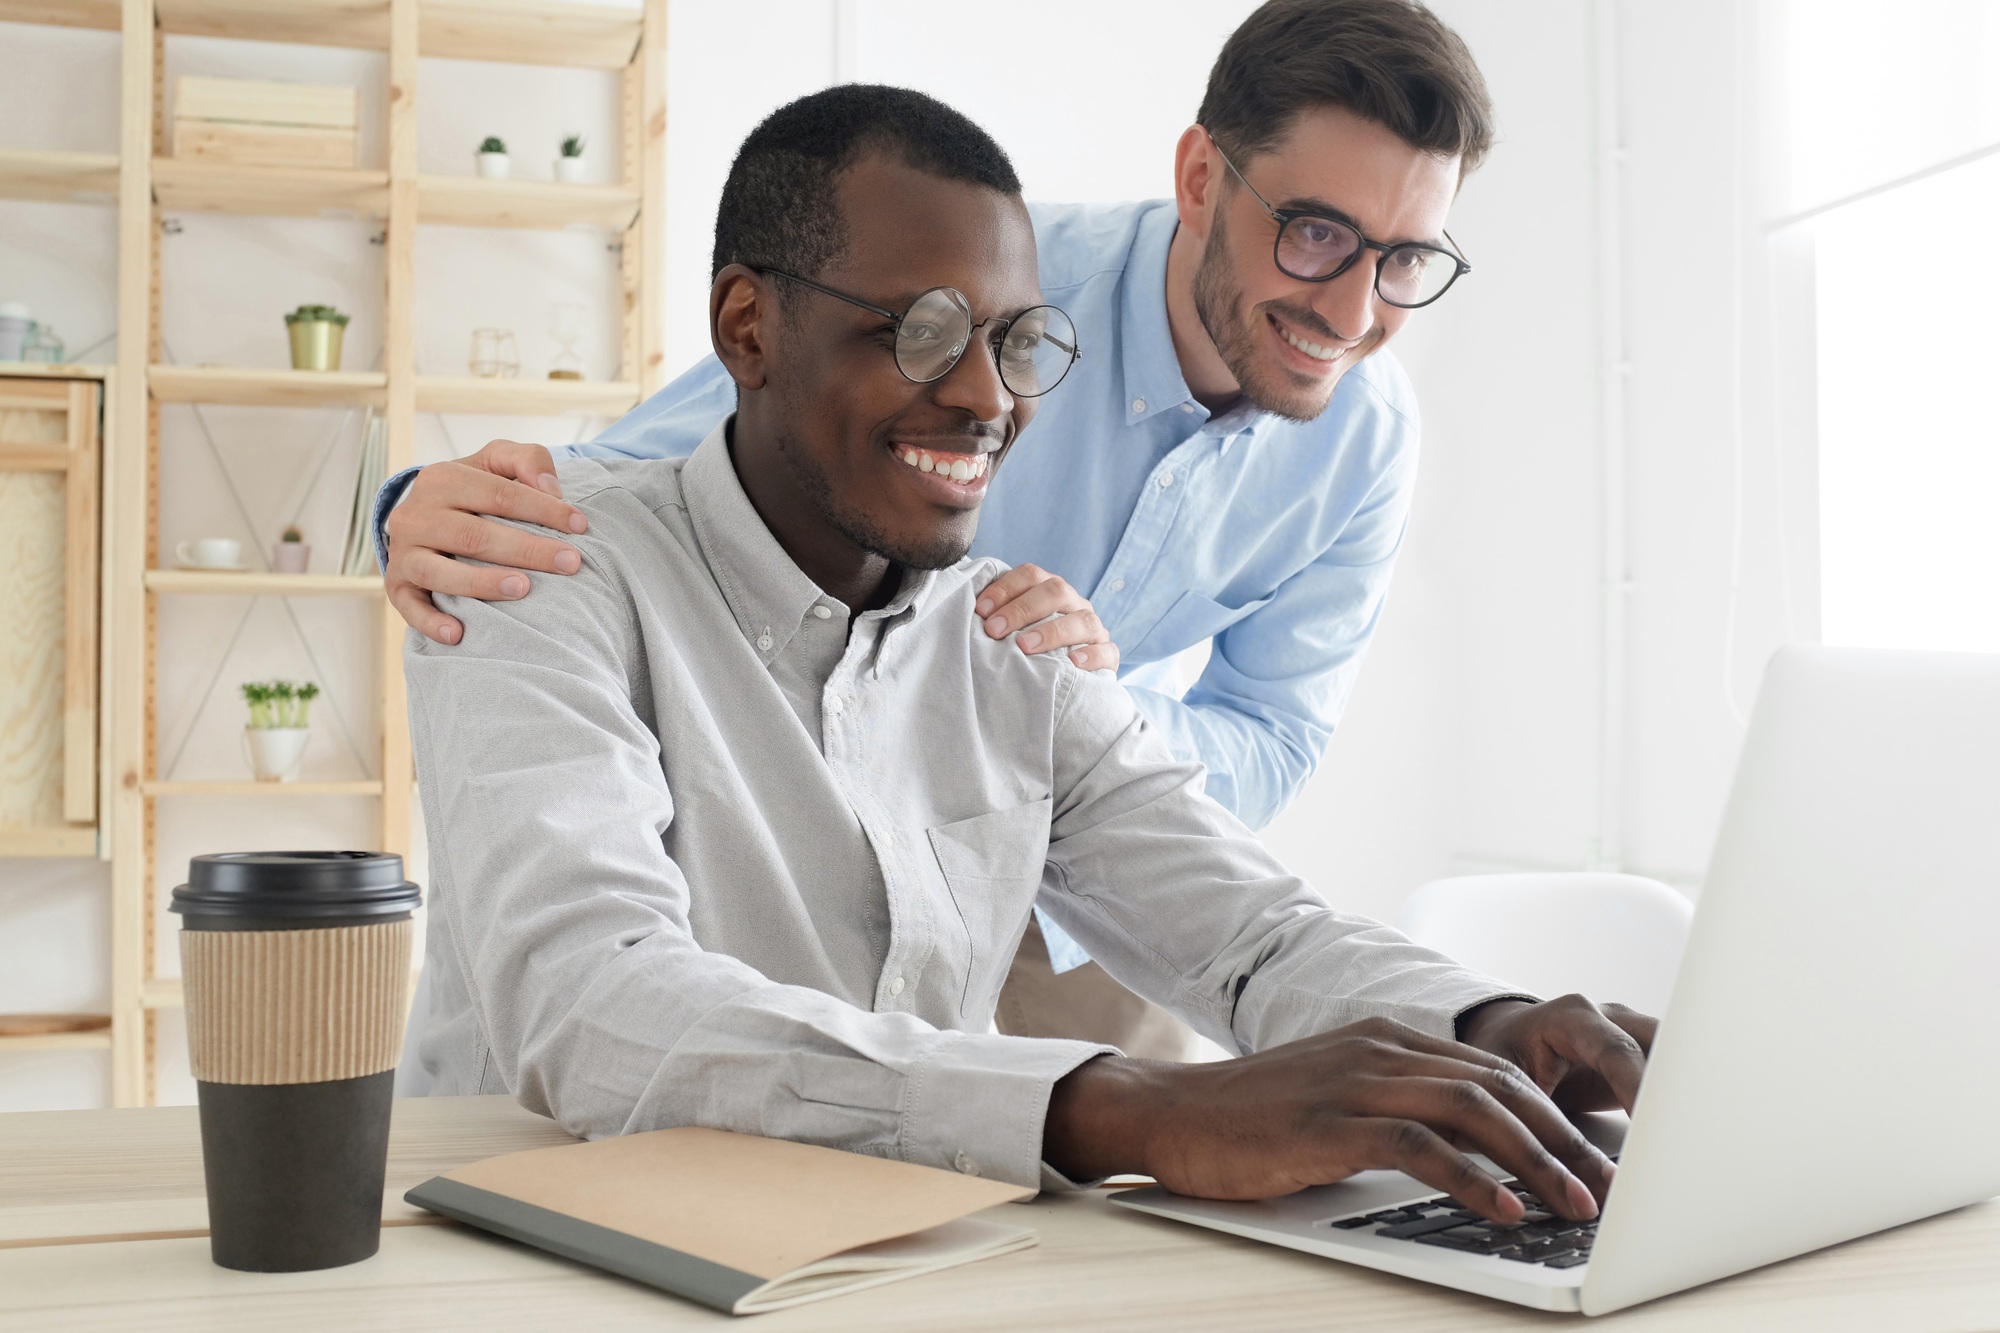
[[203, 788], [25, 842], [63, 13], [464, 393], [529, 32], [352, 23], [469, 201], [39, 1025], [56, 1041], [191, 185], [524, 32], [268, 388], [61, 178], [161, 993], [256, 583]]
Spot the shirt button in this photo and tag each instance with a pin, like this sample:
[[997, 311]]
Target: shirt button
[[823, 612], [896, 986], [966, 1163], [1138, 404], [1187, 407], [834, 707], [763, 643], [1166, 480], [1118, 585]]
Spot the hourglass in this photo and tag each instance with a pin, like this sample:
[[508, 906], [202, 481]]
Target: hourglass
[[566, 330]]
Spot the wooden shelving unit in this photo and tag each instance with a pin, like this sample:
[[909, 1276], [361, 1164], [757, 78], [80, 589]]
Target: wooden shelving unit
[[143, 184]]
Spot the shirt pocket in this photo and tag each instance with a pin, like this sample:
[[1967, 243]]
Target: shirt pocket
[[1191, 619], [992, 866]]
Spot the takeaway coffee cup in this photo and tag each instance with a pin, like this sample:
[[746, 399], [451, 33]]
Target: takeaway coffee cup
[[295, 967]]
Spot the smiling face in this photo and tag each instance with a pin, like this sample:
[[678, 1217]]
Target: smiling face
[[1285, 342], [844, 457]]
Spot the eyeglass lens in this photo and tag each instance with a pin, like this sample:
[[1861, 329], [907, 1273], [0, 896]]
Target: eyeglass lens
[[1409, 275], [1034, 353]]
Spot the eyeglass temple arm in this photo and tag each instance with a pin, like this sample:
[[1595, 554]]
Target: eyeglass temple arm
[[828, 291]]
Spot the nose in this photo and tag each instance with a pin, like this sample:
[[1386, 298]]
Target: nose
[[973, 386], [1348, 302]]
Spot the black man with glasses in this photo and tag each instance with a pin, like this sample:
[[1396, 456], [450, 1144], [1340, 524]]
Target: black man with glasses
[[1229, 468]]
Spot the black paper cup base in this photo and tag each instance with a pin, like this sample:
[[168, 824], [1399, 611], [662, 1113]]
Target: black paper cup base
[[295, 1171]]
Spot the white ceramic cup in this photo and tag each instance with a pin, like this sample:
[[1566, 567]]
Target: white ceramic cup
[[210, 552]]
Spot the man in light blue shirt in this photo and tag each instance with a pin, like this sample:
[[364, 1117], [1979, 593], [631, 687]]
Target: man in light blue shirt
[[1231, 461]]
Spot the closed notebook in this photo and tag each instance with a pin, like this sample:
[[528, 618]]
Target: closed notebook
[[740, 1223]]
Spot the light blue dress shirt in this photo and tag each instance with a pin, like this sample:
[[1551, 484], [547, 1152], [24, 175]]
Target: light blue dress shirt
[[1272, 538]]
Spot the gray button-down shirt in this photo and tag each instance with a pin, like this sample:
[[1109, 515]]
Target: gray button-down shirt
[[707, 848]]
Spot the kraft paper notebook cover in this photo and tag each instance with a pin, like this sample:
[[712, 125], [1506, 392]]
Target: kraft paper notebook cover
[[740, 1223]]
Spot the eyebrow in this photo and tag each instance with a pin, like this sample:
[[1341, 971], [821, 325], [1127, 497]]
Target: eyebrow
[[1320, 208]]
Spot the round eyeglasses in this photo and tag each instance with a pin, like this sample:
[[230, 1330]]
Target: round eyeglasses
[[1315, 248], [1033, 351]]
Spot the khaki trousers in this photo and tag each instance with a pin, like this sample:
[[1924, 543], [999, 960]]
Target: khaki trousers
[[1087, 1005]]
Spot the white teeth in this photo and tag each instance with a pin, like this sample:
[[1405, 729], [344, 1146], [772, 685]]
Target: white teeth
[[960, 468], [1311, 349]]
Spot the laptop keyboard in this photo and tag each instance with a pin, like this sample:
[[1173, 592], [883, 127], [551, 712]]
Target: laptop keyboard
[[1540, 1237]]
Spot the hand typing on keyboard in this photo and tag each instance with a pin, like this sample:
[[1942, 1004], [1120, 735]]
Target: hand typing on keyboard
[[1539, 1237]]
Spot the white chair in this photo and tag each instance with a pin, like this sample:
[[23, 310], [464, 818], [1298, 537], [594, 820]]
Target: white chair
[[1610, 937]]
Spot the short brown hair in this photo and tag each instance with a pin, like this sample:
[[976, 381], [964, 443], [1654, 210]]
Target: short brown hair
[[1389, 61]]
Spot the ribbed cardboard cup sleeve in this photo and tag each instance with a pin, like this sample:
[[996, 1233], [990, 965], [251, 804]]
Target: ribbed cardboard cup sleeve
[[295, 1006]]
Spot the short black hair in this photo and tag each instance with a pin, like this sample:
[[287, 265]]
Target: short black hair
[[1390, 61], [779, 208]]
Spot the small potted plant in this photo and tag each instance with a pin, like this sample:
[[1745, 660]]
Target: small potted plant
[[316, 332], [280, 717], [290, 554], [569, 167], [493, 161]]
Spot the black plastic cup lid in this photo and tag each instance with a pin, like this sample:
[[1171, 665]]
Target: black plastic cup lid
[[296, 885]]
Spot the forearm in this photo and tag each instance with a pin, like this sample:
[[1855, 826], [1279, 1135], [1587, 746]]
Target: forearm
[[1185, 906]]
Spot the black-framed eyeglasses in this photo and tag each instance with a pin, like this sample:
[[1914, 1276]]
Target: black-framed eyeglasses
[[1314, 248], [1033, 351]]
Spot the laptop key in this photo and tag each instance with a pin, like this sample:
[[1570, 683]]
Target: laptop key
[[1566, 1261], [1445, 1240], [1350, 1223], [1421, 1227]]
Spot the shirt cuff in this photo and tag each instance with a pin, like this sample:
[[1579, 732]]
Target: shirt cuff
[[388, 498], [981, 1103]]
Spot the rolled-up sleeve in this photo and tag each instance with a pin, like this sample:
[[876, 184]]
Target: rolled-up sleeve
[[1179, 901], [569, 924]]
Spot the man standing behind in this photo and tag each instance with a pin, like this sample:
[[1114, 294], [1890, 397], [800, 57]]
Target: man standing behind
[[1232, 460]]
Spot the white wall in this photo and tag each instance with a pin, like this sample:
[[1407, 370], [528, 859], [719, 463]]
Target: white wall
[[1475, 733]]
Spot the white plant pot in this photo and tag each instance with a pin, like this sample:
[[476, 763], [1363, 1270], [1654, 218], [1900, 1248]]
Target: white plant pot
[[290, 557], [494, 166], [569, 170], [275, 752]]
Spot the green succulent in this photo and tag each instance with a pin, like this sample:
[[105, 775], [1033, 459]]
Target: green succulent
[[573, 146], [315, 314], [276, 704], [493, 144]]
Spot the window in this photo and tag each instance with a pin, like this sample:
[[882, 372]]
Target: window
[[1891, 130]]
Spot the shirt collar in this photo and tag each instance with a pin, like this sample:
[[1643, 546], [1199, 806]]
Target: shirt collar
[[769, 595]]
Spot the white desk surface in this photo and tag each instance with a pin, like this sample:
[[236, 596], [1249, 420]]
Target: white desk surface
[[70, 1178]]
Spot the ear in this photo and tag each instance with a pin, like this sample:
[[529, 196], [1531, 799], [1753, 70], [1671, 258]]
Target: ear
[[1198, 173], [742, 317]]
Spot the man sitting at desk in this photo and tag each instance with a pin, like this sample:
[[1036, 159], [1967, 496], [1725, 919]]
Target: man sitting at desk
[[740, 825]]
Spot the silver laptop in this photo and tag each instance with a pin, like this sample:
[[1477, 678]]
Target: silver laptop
[[1841, 981]]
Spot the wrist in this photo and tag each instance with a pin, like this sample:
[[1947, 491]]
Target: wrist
[[1096, 1122], [1475, 1025]]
